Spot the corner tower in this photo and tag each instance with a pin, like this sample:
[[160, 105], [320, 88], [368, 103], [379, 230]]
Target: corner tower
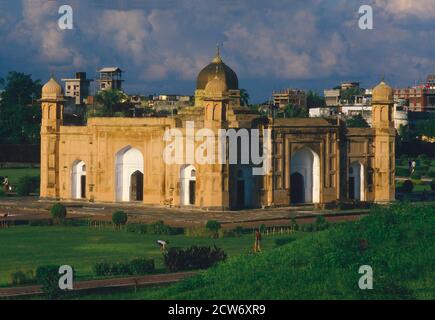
[[52, 104], [385, 134]]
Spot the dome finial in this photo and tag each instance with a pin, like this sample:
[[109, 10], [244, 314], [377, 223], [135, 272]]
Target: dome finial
[[217, 58]]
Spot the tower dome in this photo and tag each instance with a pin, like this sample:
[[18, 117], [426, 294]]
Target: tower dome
[[382, 92], [217, 67], [51, 89], [216, 87]]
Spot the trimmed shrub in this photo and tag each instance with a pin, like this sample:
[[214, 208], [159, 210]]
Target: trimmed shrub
[[142, 266], [196, 232], [19, 278], [119, 218], [159, 228], [137, 228], [213, 227], [58, 212], [321, 223], [139, 266], [41, 223], [48, 277], [407, 186], [27, 185], [294, 224], [177, 259]]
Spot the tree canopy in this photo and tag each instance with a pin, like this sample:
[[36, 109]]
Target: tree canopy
[[20, 114], [357, 121], [293, 111]]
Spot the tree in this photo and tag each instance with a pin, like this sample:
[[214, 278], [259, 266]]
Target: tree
[[350, 92], [427, 127], [357, 122], [292, 111], [20, 114], [314, 100], [110, 101], [244, 97]]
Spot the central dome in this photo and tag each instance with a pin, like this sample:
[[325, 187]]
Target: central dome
[[220, 69]]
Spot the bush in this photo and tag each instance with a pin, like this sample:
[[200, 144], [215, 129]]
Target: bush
[[402, 172], [294, 224], [159, 228], [27, 185], [119, 218], [2, 193], [177, 259], [321, 223], [137, 228], [48, 277], [431, 174], [407, 186], [139, 266], [142, 266], [213, 227], [58, 212], [20, 278], [41, 223], [432, 185], [196, 232], [283, 241]]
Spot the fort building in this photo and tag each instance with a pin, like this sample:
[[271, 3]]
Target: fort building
[[313, 160]]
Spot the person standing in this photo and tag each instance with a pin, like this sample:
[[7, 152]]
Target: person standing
[[6, 185], [257, 245]]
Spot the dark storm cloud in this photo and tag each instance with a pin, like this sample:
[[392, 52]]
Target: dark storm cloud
[[163, 44]]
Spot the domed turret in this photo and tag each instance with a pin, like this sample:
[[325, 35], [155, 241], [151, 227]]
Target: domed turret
[[382, 93], [216, 87], [217, 67], [52, 89]]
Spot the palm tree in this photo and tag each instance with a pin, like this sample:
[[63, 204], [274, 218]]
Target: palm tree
[[244, 97]]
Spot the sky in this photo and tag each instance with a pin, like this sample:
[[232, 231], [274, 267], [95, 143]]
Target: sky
[[163, 44]]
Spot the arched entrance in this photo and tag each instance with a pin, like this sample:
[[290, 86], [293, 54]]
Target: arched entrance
[[129, 165], [305, 176], [244, 187], [188, 185], [78, 180], [356, 181], [297, 188], [136, 186]]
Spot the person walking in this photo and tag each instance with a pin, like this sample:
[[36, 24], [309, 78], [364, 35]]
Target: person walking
[[6, 185]]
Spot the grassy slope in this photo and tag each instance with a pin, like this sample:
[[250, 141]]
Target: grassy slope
[[325, 265], [24, 248]]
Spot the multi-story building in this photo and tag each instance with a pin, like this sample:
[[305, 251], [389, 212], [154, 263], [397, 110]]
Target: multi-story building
[[78, 87], [420, 98], [332, 97], [288, 96], [110, 78]]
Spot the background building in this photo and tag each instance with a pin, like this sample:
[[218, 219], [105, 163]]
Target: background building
[[110, 78], [78, 87], [288, 96]]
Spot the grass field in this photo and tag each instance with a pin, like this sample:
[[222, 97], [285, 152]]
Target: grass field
[[25, 247], [399, 246], [14, 174]]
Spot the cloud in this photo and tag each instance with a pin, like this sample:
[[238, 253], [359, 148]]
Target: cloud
[[421, 9], [282, 41]]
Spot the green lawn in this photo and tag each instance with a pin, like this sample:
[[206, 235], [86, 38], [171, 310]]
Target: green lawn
[[399, 246], [14, 174], [25, 248]]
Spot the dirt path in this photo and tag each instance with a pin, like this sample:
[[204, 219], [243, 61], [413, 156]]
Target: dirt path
[[149, 280]]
